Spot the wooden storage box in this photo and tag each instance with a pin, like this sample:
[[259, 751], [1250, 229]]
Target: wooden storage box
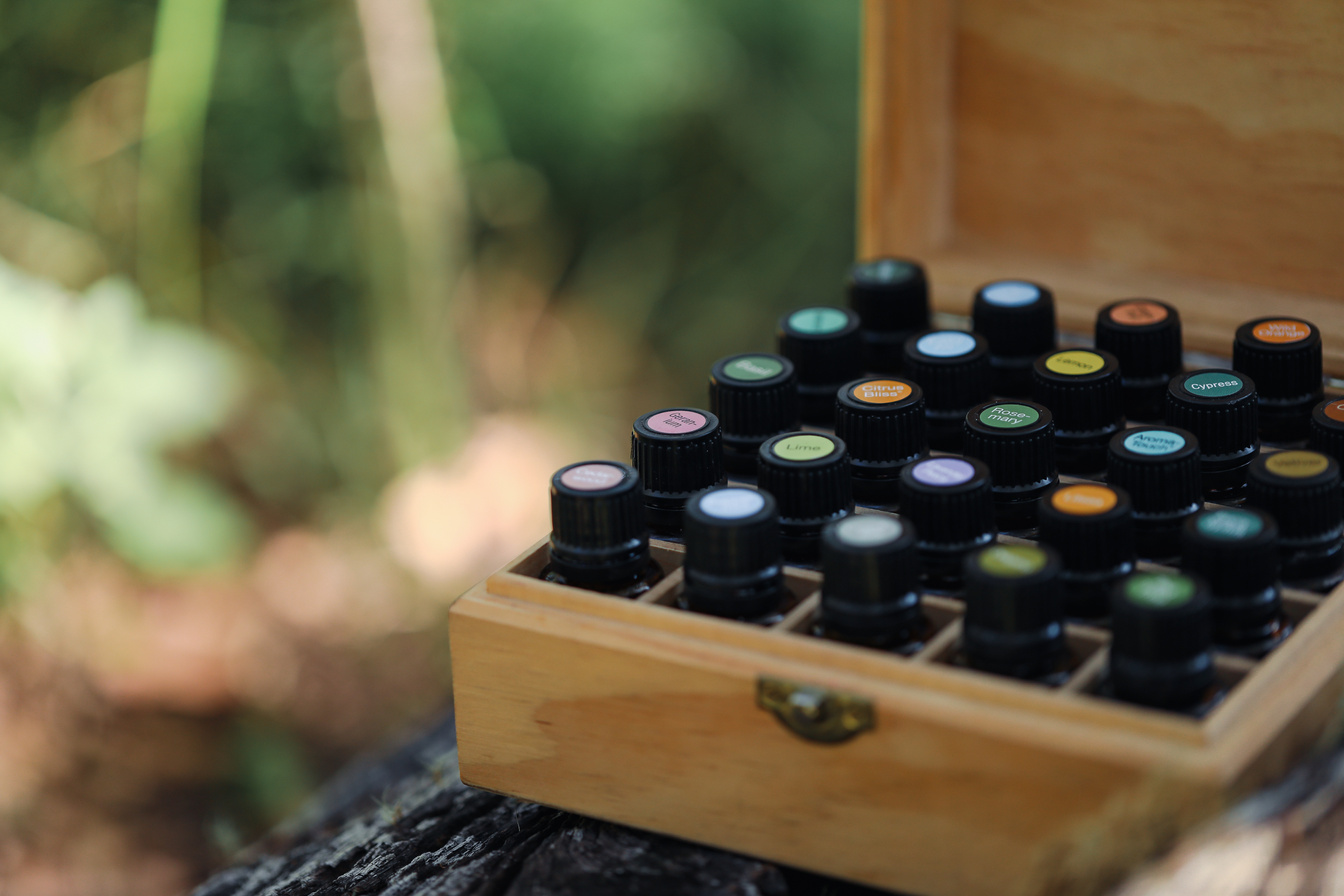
[[1190, 152]]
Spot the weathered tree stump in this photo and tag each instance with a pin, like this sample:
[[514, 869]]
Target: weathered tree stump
[[407, 825]]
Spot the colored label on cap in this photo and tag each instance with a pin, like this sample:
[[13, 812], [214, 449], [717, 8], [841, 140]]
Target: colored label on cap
[[943, 471], [1296, 464], [1009, 416], [1010, 293], [803, 447], [1214, 385], [1074, 362], [1159, 590], [592, 477], [881, 391], [1335, 411], [731, 503], [1084, 500], [818, 321], [1230, 525], [1012, 560], [884, 270], [1280, 332], [1154, 442], [671, 422], [868, 530], [946, 344], [1138, 313], [751, 368]]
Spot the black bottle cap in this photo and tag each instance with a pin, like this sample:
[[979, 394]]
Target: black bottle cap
[[598, 528], [882, 421], [1092, 527], [1145, 337], [1082, 387], [678, 452], [1219, 407], [1017, 319], [870, 577], [1159, 467], [1016, 440], [1236, 550], [891, 297], [1301, 490], [1014, 622], [755, 396], [952, 366], [1283, 356], [950, 501], [1161, 633], [1326, 434], [809, 475], [734, 566], [825, 347]]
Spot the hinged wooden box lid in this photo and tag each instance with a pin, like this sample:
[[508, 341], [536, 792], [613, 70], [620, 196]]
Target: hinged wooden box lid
[[1191, 151]]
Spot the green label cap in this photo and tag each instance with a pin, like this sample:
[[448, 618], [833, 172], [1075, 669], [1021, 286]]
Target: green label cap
[[1214, 385], [751, 368], [803, 447], [1009, 416], [1159, 590], [1230, 525], [818, 321], [1012, 560]]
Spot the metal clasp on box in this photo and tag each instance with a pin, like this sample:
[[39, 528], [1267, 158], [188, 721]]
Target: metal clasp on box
[[816, 714]]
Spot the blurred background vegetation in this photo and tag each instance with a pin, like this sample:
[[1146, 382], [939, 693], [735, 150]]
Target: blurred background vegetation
[[302, 303]]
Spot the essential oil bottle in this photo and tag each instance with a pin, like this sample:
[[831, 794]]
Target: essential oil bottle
[[1236, 551], [1145, 337], [1221, 409], [755, 396], [1303, 492], [1160, 468], [1017, 320], [599, 538], [951, 503], [891, 297], [1092, 527], [809, 475], [1016, 440], [1162, 632], [952, 367], [826, 349], [678, 452], [1082, 389], [882, 421], [870, 583], [734, 566], [1014, 622], [1283, 356]]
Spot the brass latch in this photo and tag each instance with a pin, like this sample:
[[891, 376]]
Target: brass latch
[[815, 714]]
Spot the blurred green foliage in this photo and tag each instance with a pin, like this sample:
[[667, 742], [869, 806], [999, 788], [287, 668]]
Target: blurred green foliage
[[682, 169]]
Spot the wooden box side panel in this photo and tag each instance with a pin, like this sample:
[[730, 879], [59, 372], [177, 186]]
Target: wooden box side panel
[[1191, 139], [648, 729]]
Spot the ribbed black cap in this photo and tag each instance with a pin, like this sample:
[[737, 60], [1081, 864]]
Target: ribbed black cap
[[1159, 467], [808, 473], [824, 345], [870, 575], [1014, 622], [1326, 434], [755, 396], [951, 365], [1161, 633], [677, 451], [1282, 355], [1144, 335], [1081, 386], [734, 566], [890, 295], [948, 498], [1015, 439], [1301, 490], [882, 421], [597, 520], [1218, 406], [1090, 525], [1016, 317], [1235, 549]]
